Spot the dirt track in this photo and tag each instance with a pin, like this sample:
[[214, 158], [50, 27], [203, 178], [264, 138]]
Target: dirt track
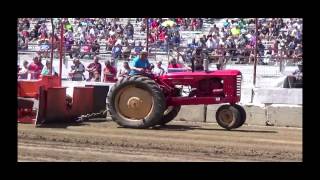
[[178, 141]]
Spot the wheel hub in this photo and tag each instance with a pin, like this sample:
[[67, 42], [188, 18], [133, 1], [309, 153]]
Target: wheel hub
[[226, 116], [134, 102]]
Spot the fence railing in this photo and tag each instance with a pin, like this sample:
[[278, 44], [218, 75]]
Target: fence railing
[[240, 55], [267, 74]]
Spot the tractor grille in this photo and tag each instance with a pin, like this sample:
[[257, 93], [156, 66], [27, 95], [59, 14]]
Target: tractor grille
[[239, 78]]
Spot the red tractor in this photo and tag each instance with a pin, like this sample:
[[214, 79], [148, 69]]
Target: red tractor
[[141, 102]]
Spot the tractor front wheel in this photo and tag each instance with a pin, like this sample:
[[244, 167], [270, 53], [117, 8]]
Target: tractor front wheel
[[242, 114], [228, 117]]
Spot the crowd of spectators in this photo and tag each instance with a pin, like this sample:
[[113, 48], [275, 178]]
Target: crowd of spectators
[[110, 73], [36, 69], [86, 36], [276, 37], [166, 32]]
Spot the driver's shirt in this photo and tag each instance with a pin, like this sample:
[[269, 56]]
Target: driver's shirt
[[138, 63]]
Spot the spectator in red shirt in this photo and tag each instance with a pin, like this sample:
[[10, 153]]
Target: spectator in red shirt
[[179, 21], [25, 33], [92, 38], [193, 24], [85, 49], [154, 24], [110, 43], [94, 69], [173, 64], [35, 68], [109, 73], [162, 36]]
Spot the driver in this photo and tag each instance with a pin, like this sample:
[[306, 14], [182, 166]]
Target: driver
[[140, 64]]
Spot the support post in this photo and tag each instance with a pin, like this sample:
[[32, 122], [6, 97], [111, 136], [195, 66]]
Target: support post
[[255, 61], [61, 49], [52, 36]]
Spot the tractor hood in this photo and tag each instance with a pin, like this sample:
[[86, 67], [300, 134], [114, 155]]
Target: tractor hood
[[191, 75]]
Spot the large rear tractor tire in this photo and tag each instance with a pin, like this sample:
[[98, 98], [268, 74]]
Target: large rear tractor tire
[[228, 117], [242, 114], [136, 102]]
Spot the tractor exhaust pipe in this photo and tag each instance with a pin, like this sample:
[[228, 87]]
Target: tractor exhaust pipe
[[206, 65], [206, 69]]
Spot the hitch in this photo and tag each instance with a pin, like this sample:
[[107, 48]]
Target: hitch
[[56, 106]]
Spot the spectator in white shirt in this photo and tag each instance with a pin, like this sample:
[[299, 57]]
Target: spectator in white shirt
[[216, 39], [124, 71], [158, 70], [92, 31], [79, 29], [82, 38], [23, 73], [211, 44], [77, 70]]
